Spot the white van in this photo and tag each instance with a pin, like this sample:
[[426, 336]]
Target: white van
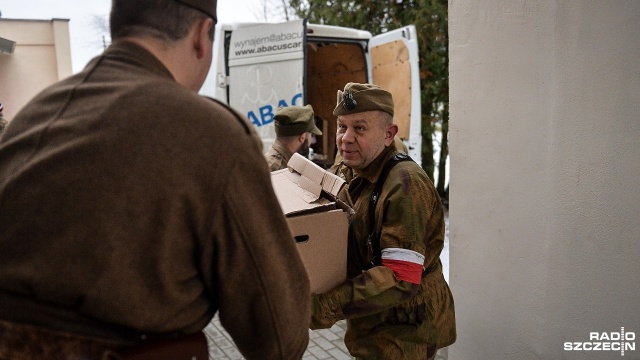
[[260, 66]]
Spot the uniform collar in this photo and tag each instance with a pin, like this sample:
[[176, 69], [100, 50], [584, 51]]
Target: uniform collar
[[138, 55], [282, 150]]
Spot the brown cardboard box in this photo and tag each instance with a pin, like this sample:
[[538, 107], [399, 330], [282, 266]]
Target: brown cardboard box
[[307, 194]]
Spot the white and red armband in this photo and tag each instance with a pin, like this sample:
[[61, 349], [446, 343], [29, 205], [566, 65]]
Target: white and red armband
[[406, 264]]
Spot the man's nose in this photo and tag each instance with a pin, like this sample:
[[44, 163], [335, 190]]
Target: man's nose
[[349, 136]]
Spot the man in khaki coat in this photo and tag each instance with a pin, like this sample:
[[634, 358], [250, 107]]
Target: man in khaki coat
[[397, 303], [295, 129], [133, 209]]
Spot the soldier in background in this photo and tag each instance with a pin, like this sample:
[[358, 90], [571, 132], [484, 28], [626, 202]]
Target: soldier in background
[[396, 301], [295, 130]]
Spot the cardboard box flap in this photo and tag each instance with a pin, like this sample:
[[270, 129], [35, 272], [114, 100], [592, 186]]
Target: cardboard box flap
[[332, 184], [291, 195], [304, 186], [310, 190], [307, 169], [314, 176]]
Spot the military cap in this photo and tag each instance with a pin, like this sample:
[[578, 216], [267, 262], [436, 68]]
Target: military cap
[[206, 6], [295, 120], [357, 98]]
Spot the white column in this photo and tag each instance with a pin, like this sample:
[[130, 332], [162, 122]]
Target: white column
[[545, 175]]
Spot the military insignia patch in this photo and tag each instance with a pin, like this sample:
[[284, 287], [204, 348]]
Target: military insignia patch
[[347, 101]]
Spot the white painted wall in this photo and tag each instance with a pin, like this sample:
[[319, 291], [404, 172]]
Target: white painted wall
[[42, 57], [545, 176]]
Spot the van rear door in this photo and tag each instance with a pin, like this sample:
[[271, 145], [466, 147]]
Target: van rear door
[[395, 67], [266, 70]]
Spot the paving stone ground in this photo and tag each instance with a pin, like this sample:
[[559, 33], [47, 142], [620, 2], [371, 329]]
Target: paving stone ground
[[324, 344]]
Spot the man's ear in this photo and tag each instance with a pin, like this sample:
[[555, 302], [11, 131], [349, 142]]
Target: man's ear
[[201, 37], [302, 137], [390, 134]]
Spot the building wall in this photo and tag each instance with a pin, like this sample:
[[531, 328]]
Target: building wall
[[545, 176], [42, 56]]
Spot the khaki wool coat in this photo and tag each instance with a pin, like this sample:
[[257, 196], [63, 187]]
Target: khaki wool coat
[[278, 156], [128, 207]]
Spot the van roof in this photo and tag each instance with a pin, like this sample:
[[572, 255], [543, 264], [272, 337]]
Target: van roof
[[336, 32], [313, 30]]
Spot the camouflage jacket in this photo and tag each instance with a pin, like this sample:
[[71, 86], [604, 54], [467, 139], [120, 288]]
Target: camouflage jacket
[[278, 156], [379, 302]]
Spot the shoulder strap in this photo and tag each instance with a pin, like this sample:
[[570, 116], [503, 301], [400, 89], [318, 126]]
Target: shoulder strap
[[374, 239]]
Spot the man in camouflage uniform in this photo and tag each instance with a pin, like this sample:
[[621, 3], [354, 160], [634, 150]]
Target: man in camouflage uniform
[[400, 308], [295, 127]]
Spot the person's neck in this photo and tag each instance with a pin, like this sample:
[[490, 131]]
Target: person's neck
[[170, 54], [293, 146]]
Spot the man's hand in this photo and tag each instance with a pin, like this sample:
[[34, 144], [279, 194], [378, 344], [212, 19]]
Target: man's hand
[[323, 315]]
